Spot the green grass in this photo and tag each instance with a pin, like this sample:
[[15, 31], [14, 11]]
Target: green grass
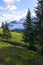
[[16, 37], [0, 30], [3, 44], [14, 55]]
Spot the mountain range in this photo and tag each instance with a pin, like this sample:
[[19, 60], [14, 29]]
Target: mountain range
[[16, 25]]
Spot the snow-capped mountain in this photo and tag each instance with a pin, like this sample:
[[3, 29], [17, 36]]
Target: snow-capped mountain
[[16, 25]]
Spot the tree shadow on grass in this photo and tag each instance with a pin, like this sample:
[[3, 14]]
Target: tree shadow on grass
[[14, 55], [11, 56]]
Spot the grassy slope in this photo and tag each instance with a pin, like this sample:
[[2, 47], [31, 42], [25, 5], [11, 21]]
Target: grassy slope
[[16, 37], [0, 30], [14, 55]]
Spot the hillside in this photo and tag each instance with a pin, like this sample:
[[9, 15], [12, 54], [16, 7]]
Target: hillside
[[18, 55], [13, 55], [16, 36]]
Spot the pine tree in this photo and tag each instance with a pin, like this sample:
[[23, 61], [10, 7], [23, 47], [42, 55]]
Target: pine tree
[[39, 23], [6, 32], [28, 33], [3, 26]]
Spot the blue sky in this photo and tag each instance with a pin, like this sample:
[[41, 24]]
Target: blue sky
[[15, 9]]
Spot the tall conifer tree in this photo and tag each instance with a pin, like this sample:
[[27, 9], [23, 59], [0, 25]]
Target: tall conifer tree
[[39, 23], [28, 34]]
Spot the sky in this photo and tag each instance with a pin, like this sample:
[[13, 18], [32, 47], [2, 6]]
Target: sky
[[15, 9]]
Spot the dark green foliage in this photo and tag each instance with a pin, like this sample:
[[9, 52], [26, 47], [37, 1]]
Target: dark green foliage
[[27, 27], [39, 23], [28, 33], [6, 32], [39, 26]]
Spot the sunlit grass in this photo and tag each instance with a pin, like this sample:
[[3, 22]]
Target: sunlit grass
[[3, 44], [0, 30], [15, 55], [17, 37]]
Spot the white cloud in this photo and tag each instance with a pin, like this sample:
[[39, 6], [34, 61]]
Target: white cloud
[[18, 0], [9, 17], [10, 1], [12, 7], [35, 5], [33, 15], [9, 7], [1, 8], [1, 20], [21, 13], [14, 16]]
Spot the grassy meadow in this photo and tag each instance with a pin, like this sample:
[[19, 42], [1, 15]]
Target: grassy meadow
[[16, 55], [16, 36], [13, 55]]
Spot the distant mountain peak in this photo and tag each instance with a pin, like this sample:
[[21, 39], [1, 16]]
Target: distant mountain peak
[[18, 25]]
